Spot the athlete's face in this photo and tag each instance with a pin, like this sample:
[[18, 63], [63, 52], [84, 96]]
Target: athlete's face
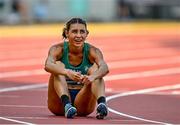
[[77, 34]]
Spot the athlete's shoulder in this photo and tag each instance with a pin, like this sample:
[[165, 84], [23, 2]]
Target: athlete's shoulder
[[56, 50], [94, 53], [90, 45], [93, 48], [57, 47]]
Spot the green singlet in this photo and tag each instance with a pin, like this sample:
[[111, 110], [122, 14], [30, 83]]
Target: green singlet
[[82, 67]]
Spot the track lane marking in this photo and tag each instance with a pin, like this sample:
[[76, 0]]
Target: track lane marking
[[136, 53], [113, 65], [148, 73], [25, 87], [109, 78], [143, 91], [26, 117], [18, 88], [9, 96], [16, 121], [23, 106], [23, 73]]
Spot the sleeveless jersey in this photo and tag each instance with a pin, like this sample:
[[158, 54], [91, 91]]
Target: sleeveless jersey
[[82, 67]]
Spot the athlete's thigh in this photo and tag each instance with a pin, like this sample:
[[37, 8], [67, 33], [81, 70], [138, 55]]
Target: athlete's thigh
[[54, 103], [85, 101]]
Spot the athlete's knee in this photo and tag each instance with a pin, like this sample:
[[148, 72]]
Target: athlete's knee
[[98, 85], [98, 81]]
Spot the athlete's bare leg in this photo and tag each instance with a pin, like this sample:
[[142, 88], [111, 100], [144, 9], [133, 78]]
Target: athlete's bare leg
[[57, 87], [54, 103], [86, 99]]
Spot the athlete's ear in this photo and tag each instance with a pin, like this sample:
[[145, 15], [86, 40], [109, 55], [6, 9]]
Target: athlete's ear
[[87, 32]]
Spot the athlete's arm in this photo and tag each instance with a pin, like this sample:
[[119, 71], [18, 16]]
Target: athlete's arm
[[52, 65], [97, 56]]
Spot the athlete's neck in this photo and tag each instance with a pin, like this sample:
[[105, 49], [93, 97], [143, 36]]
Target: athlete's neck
[[75, 50]]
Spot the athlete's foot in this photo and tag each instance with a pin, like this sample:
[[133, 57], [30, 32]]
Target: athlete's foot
[[102, 111], [70, 111]]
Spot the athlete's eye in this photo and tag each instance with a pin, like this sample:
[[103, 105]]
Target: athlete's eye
[[82, 31], [74, 31]]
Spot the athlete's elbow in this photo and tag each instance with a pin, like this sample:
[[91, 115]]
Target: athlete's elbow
[[47, 67], [107, 70]]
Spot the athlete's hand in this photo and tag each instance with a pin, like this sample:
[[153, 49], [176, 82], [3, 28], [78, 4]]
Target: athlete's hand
[[75, 76], [87, 79]]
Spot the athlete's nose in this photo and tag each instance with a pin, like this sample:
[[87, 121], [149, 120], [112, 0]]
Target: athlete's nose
[[78, 34]]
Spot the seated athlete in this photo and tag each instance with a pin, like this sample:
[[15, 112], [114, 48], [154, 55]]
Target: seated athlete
[[77, 69]]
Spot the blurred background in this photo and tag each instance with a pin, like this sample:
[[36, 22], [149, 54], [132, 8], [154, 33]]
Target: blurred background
[[51, 11], [140, 40], [134, 29]]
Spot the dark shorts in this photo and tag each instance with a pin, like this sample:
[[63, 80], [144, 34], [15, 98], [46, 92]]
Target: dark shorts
[[73, 94]]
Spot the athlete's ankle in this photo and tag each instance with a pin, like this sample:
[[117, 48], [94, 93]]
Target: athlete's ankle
[[101, 99], [65, 99]]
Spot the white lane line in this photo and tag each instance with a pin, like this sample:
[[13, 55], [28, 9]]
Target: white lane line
[[169, 87], [17, 121], [150, 73], [144, 62], [157, 72], [27, 117], [23, 73], [175, 93], [23, 53], [25, 87], [9, 96], [42, 52], [23, 106], [108, 98], [115, 64], [25, 62]]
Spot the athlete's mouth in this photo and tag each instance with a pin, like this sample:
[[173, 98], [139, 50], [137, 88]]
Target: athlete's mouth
[[78, 40]]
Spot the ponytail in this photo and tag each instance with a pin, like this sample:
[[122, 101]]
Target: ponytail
[[64, 33]]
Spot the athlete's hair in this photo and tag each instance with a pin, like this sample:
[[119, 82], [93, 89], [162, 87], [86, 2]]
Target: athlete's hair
[[73, 21]]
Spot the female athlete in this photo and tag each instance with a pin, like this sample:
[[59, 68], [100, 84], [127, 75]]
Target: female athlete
[[77, 69]]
